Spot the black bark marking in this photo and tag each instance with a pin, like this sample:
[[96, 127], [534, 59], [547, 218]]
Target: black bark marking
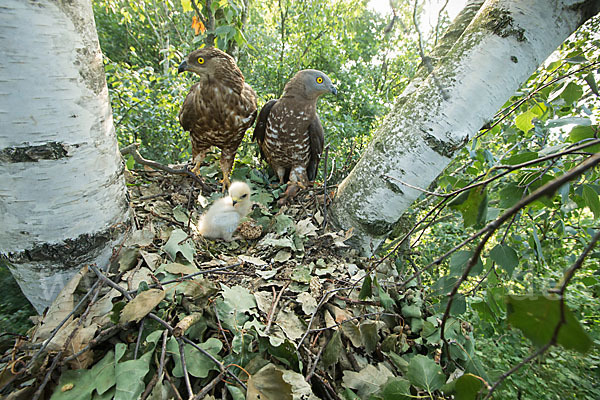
[[70, 252], [26, 153], [501, 23]]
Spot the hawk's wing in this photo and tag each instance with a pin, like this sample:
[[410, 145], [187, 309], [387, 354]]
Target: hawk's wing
[[317, 139], [187, 114], [261, 125]]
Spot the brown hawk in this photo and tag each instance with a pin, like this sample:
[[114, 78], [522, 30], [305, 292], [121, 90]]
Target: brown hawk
[[218, 109], [289, 132]]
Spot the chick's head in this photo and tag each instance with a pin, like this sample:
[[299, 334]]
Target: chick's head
[[240, 196]]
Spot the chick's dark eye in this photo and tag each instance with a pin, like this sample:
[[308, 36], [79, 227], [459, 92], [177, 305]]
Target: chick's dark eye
[[244, 196]]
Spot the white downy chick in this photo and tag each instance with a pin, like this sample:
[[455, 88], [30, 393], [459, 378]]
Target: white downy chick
[[223, 217]]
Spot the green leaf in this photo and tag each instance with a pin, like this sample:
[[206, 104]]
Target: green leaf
[[197, 363], [472, 206], [333, 350], [239, 298], [74, 385], [411, 311], [510, 194], [366, 290], [180, 214], [186, 5], [130, 163], [524, 121], [399, 362], [591, 81], [350, 395], [425, 373], [467, 387], [284, 224], [460, 260], [130, 375], [386, 300], [506, 257], [521, 158], [187, 248], [367, 381], [570, 93], [104, 373], [577, 60], [590, 196], [538, 316], [583, 132], [368, 335], [396, 389]]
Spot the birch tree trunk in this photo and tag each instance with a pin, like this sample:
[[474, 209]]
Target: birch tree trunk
[[505, 41], [62, 192]]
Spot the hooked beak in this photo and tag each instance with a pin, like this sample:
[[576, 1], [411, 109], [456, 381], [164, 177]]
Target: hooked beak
[[234, 202], [182, 67], [333, 90]]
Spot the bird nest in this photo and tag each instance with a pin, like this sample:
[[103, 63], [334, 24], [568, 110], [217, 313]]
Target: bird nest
[[286, 310]]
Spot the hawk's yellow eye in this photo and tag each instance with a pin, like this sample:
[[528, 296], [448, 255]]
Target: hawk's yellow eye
[[319, 80], [200, 60]]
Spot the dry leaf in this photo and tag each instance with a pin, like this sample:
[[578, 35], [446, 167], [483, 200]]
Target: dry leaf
[[141, 305]]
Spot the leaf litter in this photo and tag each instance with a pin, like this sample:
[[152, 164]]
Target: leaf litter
[[274, 317]]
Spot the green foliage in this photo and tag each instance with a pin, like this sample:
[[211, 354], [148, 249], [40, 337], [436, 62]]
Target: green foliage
[[144, 42], [15, 309], [506, 295]]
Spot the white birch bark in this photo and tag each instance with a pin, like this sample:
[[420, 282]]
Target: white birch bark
[[62, 193], [503, 45]]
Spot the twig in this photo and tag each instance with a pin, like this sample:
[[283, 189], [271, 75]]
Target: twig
[[418, 188], [163, 353], [311, 372], [206, 389], [158, 375], [490, 228], [353, 319], [133, 150], [325, 197], [60, 325], [102, 336], [186, 376], [58, 356], [273, 307], [540, 192], [190, 276], [221, 330], [139, 338], [324, 298], [213, 359], [130, 278], [173, 386], [437, 24]]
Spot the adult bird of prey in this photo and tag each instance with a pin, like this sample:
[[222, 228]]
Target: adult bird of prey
[[289, 132], [218, 109]]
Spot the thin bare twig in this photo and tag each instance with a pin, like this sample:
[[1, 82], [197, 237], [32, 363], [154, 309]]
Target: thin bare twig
[[326, 296], [60, 325], [206, 389], [58, 356], [553, 340], [139, 338], [274, 306], [132, 149], [325, 197], [186, 376]]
